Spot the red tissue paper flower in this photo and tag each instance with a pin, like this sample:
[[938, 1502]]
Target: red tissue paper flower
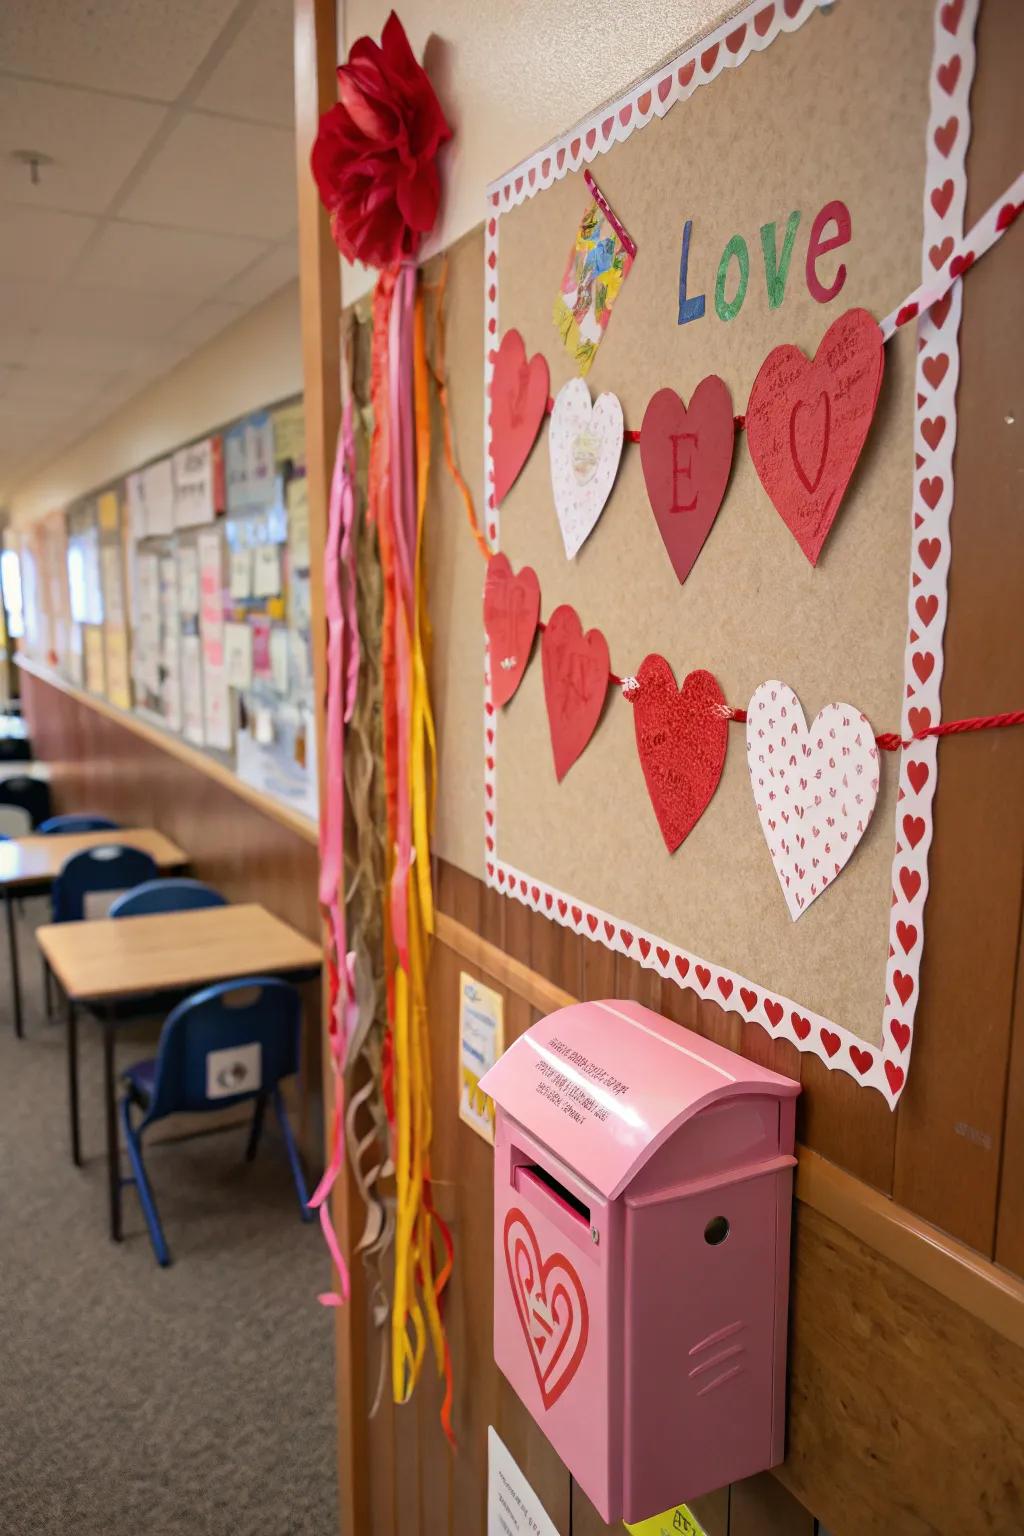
[[375, 156]]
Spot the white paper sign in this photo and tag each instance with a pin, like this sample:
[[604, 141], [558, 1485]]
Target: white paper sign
[[195, 483], [238, 655], [188, 582], [513, 1509], [236, 1069], [113, 587], [266, 571], [259, 455], [240, 578], [481, 1042], [136, 489], [192, 689], [159, 494], [279, 648], [298, 522]]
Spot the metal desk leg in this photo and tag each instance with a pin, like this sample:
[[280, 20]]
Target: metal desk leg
[[72, 1044], [12, 945], [113, 1153]]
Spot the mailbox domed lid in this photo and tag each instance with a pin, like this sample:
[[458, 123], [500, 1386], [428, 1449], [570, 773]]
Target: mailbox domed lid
[[604, 1085]]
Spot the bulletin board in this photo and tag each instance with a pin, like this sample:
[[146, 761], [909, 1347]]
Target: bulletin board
[[788, 108]]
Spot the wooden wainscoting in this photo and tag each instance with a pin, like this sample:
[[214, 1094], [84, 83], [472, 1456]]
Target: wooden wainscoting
[[906, 1373]]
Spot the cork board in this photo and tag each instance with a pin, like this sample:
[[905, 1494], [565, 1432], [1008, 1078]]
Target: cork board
[[785, 108]]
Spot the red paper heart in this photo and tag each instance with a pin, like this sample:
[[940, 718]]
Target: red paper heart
[[807, 421], [511, 612], [686, 453], [681, 737], [895, 1075], [519, 403], [576, 668], [551, 1305]]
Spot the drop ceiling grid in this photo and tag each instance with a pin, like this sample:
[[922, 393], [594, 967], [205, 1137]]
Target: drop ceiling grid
[[169, 210]]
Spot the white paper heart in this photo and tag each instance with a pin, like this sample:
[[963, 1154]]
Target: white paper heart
[[585, 442], [814, 787]]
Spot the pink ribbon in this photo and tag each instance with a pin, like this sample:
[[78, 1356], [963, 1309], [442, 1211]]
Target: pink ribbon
[[342, 678]]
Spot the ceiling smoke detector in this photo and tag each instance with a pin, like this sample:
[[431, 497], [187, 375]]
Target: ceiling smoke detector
[[34, 159]]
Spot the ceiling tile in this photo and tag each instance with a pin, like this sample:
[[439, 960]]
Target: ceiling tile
[[200, 327], [256, 76], [141, 47], [213, 173], [147, 258], [279, 266], [50, 387], [39, 244], [105, 354], [94, 141], [124, 317]]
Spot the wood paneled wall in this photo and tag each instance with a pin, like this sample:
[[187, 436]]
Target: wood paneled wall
[[906, 1409]]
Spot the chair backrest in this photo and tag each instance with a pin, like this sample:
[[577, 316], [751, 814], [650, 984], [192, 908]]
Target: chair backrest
[[107, 867], [15, 821], [74, 821], [15, 749], [31, 795], [177, 895], [224, 1044]]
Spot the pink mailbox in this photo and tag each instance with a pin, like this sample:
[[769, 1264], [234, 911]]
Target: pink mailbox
[[642, 1191]]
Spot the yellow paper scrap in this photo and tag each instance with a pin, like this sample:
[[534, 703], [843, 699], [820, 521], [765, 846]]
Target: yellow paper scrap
[[677, 1521]]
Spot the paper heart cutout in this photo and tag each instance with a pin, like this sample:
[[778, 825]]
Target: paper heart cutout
[[814, 788], [576, 667], [686, 453], [585, 442], [519, 402], [551, 1306], [511, 614], [807, 421], [681, 738]]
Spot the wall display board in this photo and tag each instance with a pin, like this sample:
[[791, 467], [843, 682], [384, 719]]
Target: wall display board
[[730, 540]]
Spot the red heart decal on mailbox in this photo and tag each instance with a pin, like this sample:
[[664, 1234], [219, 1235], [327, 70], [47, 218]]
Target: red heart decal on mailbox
[[519, 402], [511, 612], [551, 1307], [681, 737], [807, 421], [686, 453], [576, 668]]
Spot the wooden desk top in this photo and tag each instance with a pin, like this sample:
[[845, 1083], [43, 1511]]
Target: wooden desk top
[[123, 957], [37, 860]]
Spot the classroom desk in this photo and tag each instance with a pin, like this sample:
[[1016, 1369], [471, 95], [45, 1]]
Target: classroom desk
[[29, 866], [101, 962]]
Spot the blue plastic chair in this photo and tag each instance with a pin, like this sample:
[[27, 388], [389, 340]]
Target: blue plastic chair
[[73, 822], [107, 867], [228, 1043], [155, 896], [28, 794]]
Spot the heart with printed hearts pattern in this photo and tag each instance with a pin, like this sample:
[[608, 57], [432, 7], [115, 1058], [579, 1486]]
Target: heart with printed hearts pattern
[[814, 787]]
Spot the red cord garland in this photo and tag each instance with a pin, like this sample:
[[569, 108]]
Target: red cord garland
[[886, 741], [633, 436]]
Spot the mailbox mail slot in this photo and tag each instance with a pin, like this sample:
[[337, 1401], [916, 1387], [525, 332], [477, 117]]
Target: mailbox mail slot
[[642, 1192]]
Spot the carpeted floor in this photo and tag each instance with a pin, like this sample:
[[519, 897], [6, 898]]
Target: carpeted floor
[[197, 1399]]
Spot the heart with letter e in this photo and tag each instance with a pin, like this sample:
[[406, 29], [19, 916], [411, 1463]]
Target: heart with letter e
[[550, 1304]]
